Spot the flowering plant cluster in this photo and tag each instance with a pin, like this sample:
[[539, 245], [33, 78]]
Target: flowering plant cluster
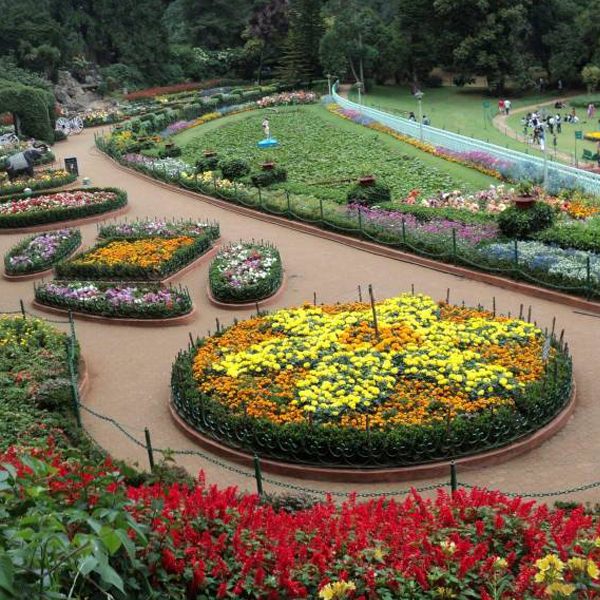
[[566, 264], [412, 229], [146, 258], [287, 98], [59, 206], [158, 228], [148, 301], [41, 180], [245, 272], [42, 251], [101, 117]]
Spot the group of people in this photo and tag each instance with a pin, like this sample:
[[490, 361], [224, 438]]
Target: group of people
[[504, 107], [541, 122], [412, 117]]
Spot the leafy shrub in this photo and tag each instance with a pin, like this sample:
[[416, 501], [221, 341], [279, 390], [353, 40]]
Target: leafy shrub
[[581, 235], [518, 223], [207, 163], [170, 152], [269, 177], [370, 194], [234, 168]]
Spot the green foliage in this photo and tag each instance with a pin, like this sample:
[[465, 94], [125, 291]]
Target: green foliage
[[234, 168], [581, 235], [368, 195], [518, 223], [207, 163], [590, 75], [169, 152], [118, 76], [268, 177]]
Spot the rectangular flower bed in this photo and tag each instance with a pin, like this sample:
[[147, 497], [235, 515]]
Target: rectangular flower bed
[[245, 272], [41, 180], [159, 227], [25, 211], [125, 300], [40, 252], [139, 259]]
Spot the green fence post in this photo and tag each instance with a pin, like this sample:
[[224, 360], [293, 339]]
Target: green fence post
[[454, 244], [453, 480], [22, 309], [258, 475], [588, 276], [149, 448], [360, 228], [321, 209], [403, 231], [516, 255], [287, 197], [72, 375]]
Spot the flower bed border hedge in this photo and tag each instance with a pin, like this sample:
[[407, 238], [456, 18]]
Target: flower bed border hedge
[[58, 215], [180, 260], [109, 313], [313, 444], [67, 248], [222, 292], [50, 185]]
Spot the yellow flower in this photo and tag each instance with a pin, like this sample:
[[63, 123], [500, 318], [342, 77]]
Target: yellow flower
[[550, 569], [337, 590], [500, 563], [560, 589]]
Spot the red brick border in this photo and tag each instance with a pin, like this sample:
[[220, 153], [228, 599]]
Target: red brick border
[[373, 248], [344, 475]]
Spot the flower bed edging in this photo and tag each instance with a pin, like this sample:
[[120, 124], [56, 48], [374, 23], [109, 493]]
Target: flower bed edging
[[373, 248], [212, 252], [181, 320], [248, 305], [397, 474]]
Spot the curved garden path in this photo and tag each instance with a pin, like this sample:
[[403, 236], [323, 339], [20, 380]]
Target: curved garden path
[[129, 367]]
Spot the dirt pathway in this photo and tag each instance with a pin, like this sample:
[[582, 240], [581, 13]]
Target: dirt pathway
[[130, 367]]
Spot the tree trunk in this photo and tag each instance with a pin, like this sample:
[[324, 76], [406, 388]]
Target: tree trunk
[[17, 123]]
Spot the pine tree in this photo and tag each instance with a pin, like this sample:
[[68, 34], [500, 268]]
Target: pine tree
[[300, 61]]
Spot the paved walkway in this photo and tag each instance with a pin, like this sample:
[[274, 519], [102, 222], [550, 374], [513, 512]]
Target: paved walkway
[[130, 367]]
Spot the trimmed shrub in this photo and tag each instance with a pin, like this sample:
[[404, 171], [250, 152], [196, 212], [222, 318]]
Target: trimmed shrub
[[369, 195], [234, 168], [517, 223], [207, 163], [170, 152], [269, 177]]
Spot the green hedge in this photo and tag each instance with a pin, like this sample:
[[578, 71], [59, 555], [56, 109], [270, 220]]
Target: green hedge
[[127, 272], [102, 306], [14, 221], [312, 443], [67, 247], [223, 291], [581, 235], [17, 186]]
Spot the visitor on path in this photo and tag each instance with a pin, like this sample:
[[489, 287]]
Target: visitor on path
[[411, 116], [558, 122], [507, 106], [591, 110], [551, 124], [501, 106], [542, 139], [426, 120], [266, 129], [560, 85]]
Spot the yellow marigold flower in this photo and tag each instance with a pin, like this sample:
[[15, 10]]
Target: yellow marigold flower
[[550, 569], [337, 590]]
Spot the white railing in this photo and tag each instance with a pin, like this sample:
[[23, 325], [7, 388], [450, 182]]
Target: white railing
[[521, 166]]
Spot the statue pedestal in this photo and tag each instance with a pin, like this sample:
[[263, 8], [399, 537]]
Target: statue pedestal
[[268, 143]]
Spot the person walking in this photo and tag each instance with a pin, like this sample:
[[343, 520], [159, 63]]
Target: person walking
[[542, 139], [551, 125], [501, 106], [558, 122], [590, 110], [507, 106]]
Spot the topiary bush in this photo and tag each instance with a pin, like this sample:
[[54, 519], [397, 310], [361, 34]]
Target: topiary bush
[[269, 177], [518, 223], [207, 163], [369, 195], [234, 168]]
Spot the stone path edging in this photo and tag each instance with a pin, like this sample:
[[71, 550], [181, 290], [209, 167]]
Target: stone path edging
[[509, 284], [126, 321], [345, 475], [247, 305]]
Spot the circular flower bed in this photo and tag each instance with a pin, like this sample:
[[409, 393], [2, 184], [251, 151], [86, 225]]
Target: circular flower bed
[[245, 272], [147, 301], [41, 252], [42, 180], [322, 384], [135, 259], [26, 211]]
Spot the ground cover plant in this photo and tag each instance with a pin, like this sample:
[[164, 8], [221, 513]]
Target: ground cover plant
[[122, 300], [245, 272], [320, 158], [37, 209], [146, 259], [41, 180], [424, 383], [40, 252]]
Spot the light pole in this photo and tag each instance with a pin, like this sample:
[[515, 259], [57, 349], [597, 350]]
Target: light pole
[[543, 142], [419, 96]]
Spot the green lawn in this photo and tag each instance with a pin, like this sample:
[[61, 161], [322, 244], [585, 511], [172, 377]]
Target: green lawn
[[324, 154]]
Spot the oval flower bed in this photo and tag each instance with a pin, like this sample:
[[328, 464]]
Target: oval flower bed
[[42, 180], [146, 301], [245, 272], [143, 259], [158, 227], [320, 384], [38, 209], [41, 252]]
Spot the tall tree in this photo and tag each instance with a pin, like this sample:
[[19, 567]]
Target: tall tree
[[300, 61]]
